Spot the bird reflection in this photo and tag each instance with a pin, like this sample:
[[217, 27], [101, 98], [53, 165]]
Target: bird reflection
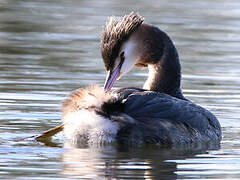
[[121, 162]]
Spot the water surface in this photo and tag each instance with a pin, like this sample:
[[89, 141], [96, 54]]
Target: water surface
[[50, 48]]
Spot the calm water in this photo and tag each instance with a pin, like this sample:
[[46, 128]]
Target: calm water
[[49, 48]]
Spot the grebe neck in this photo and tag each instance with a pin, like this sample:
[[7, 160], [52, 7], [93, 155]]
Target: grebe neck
[[165, 75]]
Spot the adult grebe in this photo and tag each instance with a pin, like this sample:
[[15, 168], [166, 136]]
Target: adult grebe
[[157, 114]]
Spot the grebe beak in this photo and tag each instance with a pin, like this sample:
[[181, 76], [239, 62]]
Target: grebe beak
[[112, 76]]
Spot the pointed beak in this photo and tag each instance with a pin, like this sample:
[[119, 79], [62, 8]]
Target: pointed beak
[[112, 76]]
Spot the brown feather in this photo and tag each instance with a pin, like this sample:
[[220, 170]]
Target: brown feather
[[84, 98]]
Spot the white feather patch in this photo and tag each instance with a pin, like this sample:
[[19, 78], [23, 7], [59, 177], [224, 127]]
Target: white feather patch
[[151, 76], [87, 126], [131, 56]]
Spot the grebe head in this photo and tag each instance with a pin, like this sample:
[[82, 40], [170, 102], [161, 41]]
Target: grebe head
[[130, 42], [119, 51]]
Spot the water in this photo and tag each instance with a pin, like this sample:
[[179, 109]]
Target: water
[[49, 48]]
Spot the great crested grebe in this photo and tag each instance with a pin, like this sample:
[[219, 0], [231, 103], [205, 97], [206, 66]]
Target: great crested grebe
[[158, 113]]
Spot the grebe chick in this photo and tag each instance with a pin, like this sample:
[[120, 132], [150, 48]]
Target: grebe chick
[[158, 113]]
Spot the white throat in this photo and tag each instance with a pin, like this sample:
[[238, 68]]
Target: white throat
[[131, 54], [152, 71]]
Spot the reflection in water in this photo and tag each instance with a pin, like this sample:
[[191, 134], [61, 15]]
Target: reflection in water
[[120, 162]]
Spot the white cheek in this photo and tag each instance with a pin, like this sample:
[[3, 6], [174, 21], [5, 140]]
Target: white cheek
[[131, 57]]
